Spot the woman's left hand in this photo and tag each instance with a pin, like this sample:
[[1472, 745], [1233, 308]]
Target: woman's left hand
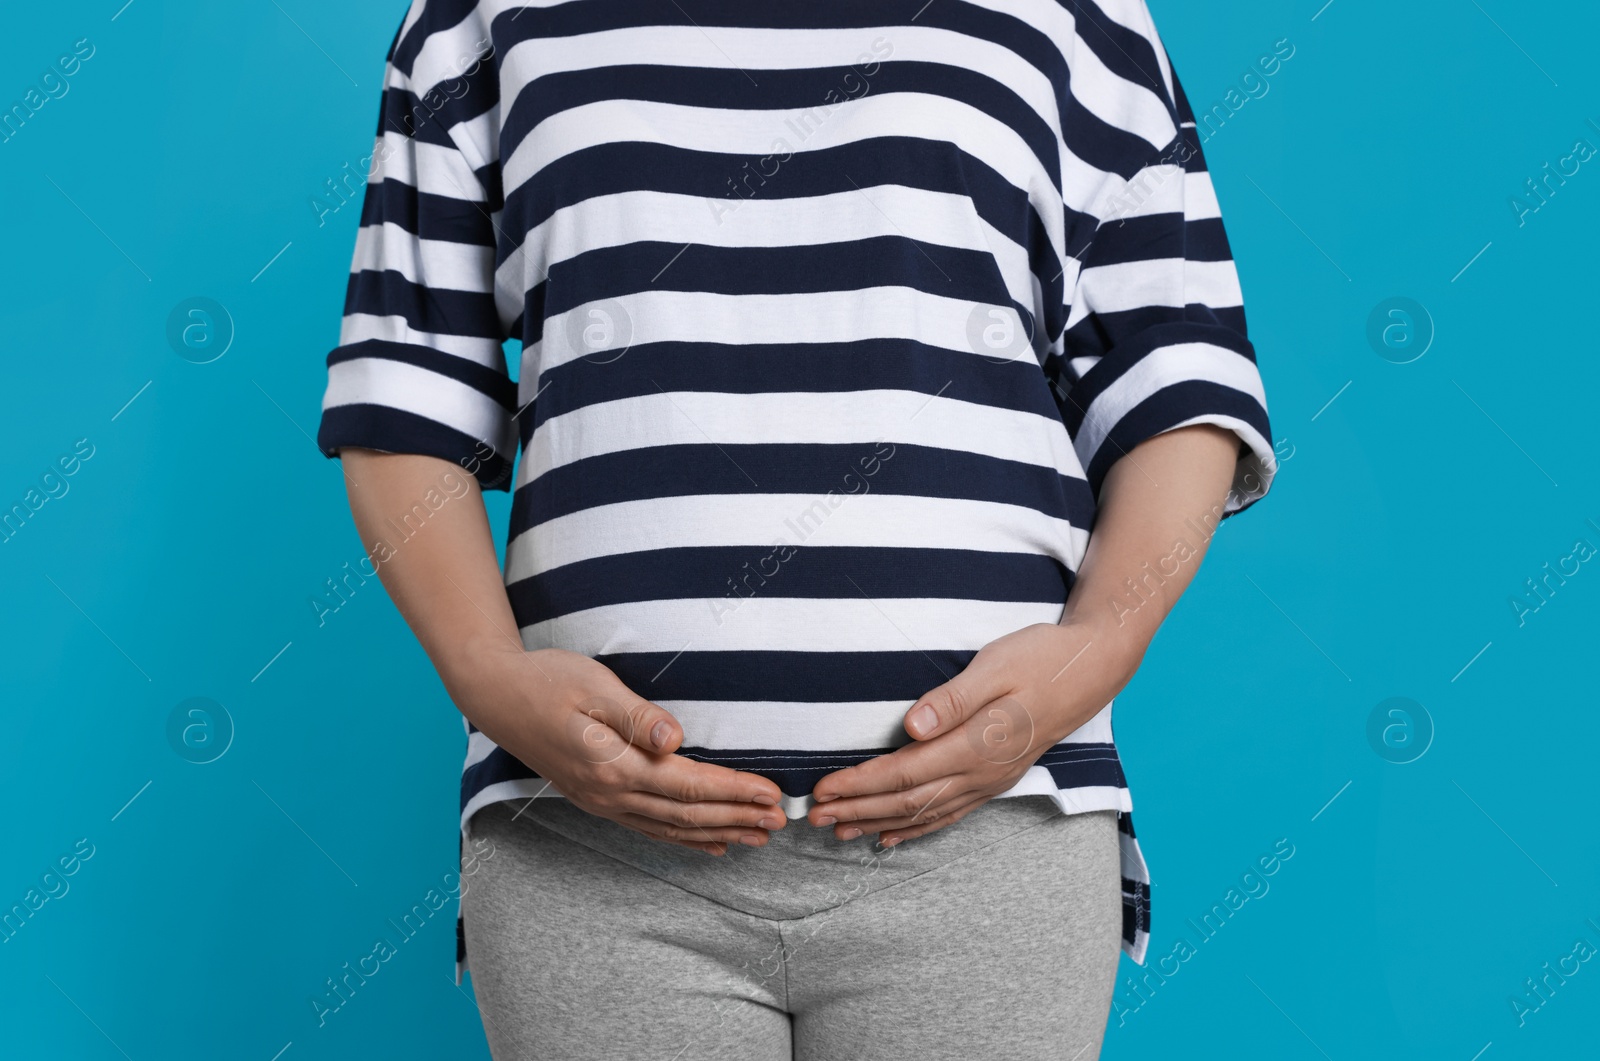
[[977, 734]]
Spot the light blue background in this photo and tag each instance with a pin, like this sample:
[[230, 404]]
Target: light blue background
[[1408, 513]]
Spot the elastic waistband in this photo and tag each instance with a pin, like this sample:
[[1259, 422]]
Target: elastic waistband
[[802, 870]]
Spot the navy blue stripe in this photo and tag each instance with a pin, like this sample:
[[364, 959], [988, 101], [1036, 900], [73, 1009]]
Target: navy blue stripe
[[1135, 910], [725, 180], [1205, 240], [1125, 53], [1191, 152], [1153, 237], [428, 309], [391, 430], [792, 93], [1167, 408], [1008, 380], [491, 381], [795, 773], [489, 177], [1141, 342], [499, 765], [811, 470], [801, 268], [1083, 766], [730, 574], [437, 16], [426, 215], [801, 677], [428, 118], [1120, 338]]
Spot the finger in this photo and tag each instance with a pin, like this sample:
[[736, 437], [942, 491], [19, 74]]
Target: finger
[[694, 835], [904, 768], [692, 781], [891, 833], [741, 817], [698, 845], [638, 721], [946, 706], [1002, 732], [708, 848], [903, 806]]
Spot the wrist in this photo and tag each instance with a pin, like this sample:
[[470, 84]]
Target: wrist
[[472, 656], [1121, 646]]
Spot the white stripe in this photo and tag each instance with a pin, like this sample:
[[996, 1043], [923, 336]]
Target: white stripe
[[840, 727], [521, 790], [807, 317], [1200, 197], [1134, 15], [861, 417], [1161, 368], [412, 17], [1037, 781], [435, 264], [815, 727], [430, 168], [1138, 106], [753, 134], [1158, 188], [479, 138], [380, 381], [358, 327], [450, 51], [748, 624], [754, 50], [1171, 282], [760, 520], [616, 220]]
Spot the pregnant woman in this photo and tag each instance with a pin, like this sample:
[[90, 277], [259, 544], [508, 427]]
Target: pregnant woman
[[841, 324]]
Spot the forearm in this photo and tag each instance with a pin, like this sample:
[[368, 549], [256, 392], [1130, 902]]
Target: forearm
[[423, 523], [1159, 506]]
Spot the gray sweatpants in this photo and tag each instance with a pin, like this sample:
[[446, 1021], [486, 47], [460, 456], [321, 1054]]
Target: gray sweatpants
[[996, 936]]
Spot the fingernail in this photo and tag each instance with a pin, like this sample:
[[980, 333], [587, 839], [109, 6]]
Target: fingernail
[[751, 839], [660, 733], [770, 823], [824, 799], [768, 800], [922, 721], [826, 819], [850, 833], [891, 842]]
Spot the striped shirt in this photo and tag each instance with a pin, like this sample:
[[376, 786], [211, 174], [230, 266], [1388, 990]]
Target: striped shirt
[[833, 317]]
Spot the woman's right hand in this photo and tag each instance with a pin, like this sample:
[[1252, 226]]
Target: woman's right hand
[[568, 717], [608, 750]]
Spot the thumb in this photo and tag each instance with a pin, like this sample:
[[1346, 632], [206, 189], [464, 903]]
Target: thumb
[[638, 721], [944, 707]]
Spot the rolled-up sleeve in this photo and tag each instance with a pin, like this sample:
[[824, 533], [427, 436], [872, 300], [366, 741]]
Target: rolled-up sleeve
[[1155, 336], [420, 366]]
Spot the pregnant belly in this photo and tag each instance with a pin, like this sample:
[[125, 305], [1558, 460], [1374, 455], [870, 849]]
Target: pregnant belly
[[791, 649]]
